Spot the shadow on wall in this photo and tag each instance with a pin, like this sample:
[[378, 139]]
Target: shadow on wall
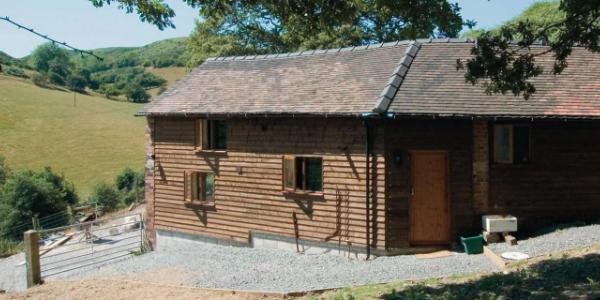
[[566, 278]]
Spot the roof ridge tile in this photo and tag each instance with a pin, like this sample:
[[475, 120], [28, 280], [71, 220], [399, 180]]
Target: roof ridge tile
[[393, 84], [341, 49]]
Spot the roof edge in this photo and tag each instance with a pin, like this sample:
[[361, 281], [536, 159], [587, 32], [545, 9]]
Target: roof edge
[[337, 50]]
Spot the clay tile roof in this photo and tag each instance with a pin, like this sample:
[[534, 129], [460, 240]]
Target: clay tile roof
[[434, 86], [345, 81], [409, 78]]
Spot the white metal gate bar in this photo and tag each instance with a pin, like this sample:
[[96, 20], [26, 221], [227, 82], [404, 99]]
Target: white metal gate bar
[[82, 245]]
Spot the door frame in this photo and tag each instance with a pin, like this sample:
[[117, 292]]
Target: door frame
[[447, 198]]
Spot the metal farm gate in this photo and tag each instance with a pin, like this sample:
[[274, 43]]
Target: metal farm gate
[[86, 245]]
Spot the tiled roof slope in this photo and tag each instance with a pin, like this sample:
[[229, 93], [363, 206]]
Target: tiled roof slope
[[405, 78], [434, 87], [345, 81]]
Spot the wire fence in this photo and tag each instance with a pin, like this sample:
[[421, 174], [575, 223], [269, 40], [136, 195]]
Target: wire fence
[[50, 221]]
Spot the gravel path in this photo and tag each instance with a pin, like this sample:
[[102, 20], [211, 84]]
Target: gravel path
[[214, 266], [12, 273], [559, 240]]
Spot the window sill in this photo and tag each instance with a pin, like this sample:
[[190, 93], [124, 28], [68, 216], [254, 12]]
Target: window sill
[[200, 204], [502, 165], [303, 193], [210, 151]]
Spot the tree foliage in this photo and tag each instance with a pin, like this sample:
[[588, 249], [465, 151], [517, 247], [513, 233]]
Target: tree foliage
[[26, 194], [508, 66], [136, 93], [49, 55], [266, 26], [105, 196], [127, 188]]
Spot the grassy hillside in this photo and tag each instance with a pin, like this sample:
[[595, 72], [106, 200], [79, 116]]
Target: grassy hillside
[[164, 53], [90, 142], [170, 74]]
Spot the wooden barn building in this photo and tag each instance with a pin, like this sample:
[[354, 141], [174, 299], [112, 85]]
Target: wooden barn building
[[380, 149]]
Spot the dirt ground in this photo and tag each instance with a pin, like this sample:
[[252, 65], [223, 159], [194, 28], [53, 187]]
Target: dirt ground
[[120, 289]]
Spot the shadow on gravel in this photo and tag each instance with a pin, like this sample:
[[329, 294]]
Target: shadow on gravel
[[566, 278]]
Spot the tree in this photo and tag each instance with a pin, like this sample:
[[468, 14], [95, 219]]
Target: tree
[[76, 82], [26, 194], [108, 90], [510, 66], [259, 26], [266, 26], [130, 185], [136, 93], [105, 196], [49, 57]]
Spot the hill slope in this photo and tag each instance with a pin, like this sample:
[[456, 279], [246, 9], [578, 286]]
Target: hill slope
[[90, 142]]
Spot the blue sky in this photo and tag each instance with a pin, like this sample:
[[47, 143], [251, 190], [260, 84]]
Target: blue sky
[[80, 24]]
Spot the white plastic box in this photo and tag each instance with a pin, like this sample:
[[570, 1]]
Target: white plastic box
[[499, 223]]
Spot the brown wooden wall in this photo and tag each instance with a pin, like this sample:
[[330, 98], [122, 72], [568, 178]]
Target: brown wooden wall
[[253, 200], [404, 135], [561, 184]]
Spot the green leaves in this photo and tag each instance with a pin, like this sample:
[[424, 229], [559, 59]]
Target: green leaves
[[28, 193], [155, 12], [503, 66]]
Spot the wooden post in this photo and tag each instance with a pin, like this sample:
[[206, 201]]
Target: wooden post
[[32, 257]]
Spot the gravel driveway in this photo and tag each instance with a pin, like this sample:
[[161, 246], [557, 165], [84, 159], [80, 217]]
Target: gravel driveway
[[215, 266], [559, 240]]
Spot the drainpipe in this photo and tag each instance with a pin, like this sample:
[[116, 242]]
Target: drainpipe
[[368, 185], [368, 137]]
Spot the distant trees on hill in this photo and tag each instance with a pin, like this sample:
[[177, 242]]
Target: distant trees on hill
[[122, 73]]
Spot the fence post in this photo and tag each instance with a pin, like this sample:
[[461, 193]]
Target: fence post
[[32, 257]]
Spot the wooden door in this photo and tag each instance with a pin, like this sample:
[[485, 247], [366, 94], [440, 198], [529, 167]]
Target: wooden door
[[429, 203]]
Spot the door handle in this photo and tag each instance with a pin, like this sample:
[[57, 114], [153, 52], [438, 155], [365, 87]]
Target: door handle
[[412, 191]]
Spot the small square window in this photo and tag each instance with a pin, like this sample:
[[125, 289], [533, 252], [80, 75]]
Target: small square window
[[512, 144], [211, 134], [199, 187], [302, 173]]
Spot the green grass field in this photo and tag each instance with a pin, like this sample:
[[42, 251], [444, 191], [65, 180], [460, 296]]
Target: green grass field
[[170, 74], [89, 143]]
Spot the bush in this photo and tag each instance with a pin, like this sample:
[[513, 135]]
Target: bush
[[149, 80], [4, 170], [105, 196], [8, 247], [130, 185], [14, 71], [26, 194], [56, 78], [108, 90], [76, 82], [136, 93], [40, 80]]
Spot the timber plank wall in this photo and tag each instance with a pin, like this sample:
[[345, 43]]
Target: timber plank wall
[[253, 200], [454, 136], [562, 182]]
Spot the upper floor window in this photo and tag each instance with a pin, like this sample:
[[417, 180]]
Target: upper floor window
[[512, 144], [302, 173], [211, 134]]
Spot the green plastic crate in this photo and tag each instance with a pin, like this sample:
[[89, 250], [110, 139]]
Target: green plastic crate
[[473, 245]]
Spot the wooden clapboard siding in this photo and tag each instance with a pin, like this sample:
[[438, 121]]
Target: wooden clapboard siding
[[453, 136], [253, 200], [562, 182]]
